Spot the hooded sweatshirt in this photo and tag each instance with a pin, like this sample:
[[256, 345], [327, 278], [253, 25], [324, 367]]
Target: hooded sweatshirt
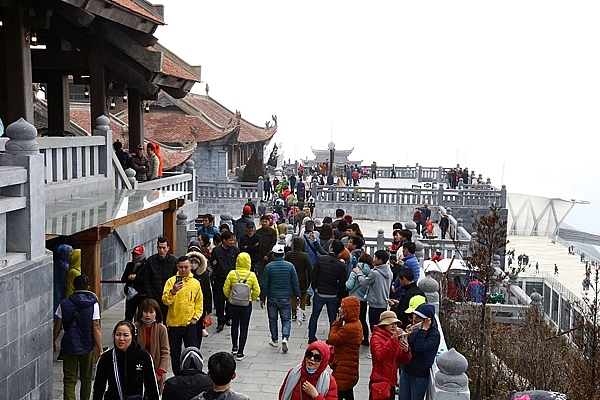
[[242, 266], [332, 394], [378, 284], [345, 336], [74, 270], [301, 262], [424, 345]]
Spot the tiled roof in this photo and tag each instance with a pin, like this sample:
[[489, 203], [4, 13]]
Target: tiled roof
[[169, 127], [249, 133], [172, 159], [171, 67], [81, 117], [136, 8]]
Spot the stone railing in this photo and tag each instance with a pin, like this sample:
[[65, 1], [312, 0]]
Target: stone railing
[[21, 195], [171, 181], [229, 190]]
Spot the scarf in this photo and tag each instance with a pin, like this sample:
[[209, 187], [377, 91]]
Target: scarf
[[294, 378]]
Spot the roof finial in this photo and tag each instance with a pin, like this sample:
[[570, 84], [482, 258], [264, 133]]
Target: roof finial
[[206, 88]]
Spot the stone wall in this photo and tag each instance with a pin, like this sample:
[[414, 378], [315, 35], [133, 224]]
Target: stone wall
[[218, 206], [116, 250], [26, 323], [210, 165]]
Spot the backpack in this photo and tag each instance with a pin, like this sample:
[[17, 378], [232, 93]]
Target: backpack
[[240, 292]]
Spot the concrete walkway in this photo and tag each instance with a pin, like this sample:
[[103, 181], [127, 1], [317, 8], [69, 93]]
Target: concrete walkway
[[261, 373]]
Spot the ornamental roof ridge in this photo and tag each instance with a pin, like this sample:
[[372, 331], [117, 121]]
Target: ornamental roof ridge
[[143, 8]]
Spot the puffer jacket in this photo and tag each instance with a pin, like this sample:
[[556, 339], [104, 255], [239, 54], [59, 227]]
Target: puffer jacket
[[242, 266], [301, 262], [202, 274], [186, 303], [345, 336], [354, 287], [386, 352]]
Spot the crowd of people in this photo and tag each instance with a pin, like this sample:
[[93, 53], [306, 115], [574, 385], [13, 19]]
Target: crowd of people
[[370, 301]]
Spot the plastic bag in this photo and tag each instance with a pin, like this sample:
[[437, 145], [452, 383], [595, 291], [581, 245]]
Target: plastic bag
[[131, 292], [300, 315], [207, 321]]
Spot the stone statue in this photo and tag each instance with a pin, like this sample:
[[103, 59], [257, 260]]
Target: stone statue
[[267, 124], [274, 117], [238, 117]]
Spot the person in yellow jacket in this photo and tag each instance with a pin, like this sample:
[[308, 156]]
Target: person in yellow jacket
[[240, 314], [183, 296], [74, 270]]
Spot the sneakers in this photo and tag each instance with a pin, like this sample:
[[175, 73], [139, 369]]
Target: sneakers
[[228, 322], [284, 345], [204, 333], [369, 356], [234, 351], [240, 356], [365, 343], [219, 327], [294, 318], [273, 343]]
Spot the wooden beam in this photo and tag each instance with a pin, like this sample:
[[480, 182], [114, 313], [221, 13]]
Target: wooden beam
[[129, 74], [91, 262], [18, 66], [135, 119], [74, 15], [151, 60], [59, 60], [96, 61], [58, 91]]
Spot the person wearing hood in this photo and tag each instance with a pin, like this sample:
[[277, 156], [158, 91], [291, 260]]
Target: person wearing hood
[[303, 267], [183, 296], [387, 350], [61, 269], [127, 368], [74, 270], [310, 378], [240, 314], [133, 276], [191, 380], [152, 336], [202, 274], [424, 343], [365, 263], [79, 315], [345, 336]]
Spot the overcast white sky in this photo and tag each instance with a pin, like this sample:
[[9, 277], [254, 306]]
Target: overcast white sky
[[509, 89]]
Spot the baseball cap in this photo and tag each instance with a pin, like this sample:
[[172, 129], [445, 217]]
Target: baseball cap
[[138, 250], [278, 249], [140, 146], [246, 210], [415, 302]]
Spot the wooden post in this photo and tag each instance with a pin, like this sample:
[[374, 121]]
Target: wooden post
[[91, 263], [170, 223], [97, 82], [59, 118], [136, 119]]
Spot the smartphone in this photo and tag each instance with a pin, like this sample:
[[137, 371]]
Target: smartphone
[[417, 326], [178, 279], [403, 337]]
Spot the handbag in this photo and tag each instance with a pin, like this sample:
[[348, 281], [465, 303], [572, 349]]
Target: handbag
[[380, 390], [207, 321]]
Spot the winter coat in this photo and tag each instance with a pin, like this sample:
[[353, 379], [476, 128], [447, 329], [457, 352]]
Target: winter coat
[[329, 276], [136, 373], [229, 394], [135, 267], [242, 266], [301, 262], [184, 305], [424, 346], [203, 276], [332, 394], [159, 346], [77, 318], [378, 284], [386, 353], [74, 270], [156, 273], [354, 287], [268, 238], [225, 261], [345, 336], [187, 384], [279, 280]]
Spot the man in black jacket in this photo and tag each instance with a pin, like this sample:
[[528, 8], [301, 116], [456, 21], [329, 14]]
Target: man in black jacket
[[222, 261], [329, 284], [239, 227], [251, 244], [268, 239], [190, 381], [159, 268], [407, 280]]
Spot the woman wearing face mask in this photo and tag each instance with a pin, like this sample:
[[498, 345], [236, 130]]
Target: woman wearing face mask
[[310, 379], [127, 369], [152, 336], [202, 274]]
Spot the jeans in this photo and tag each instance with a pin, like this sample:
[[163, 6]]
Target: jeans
[[240, 320], [86, 366], [318, 303], [412, 387], [176, 335], [362, 317], [282, 308]]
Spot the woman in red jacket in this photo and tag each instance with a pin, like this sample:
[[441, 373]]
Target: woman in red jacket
[[387, 350], [310, 379], [345, 336]]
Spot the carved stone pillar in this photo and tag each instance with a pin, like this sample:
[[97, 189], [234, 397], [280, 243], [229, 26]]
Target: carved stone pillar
[[450, 380]]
